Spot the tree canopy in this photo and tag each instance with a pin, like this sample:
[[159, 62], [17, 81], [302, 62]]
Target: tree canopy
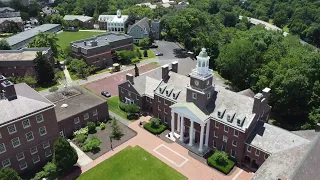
[[9, 174], [44, 69], [45, 40], [4, 45], [65, 156]]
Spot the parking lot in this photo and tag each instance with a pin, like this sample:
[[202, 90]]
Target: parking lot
[[170, 50]]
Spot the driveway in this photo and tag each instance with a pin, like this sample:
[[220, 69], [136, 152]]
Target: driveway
[[170, 50], [111, 83], [172, 154]]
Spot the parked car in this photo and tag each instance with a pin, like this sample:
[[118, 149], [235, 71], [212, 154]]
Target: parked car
[[159, 54], [105, 94], [153, 46]]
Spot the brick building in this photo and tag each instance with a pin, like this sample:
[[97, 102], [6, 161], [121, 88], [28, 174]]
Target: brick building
[[21, 62], [80, 20], [30, 123], [203, 115], [100, 50]]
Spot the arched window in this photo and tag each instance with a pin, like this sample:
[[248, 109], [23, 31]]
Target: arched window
[[207, 64], [199, 63], [203, 64]]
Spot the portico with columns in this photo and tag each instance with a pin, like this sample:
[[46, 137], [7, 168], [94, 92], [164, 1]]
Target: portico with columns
[[192, 125]]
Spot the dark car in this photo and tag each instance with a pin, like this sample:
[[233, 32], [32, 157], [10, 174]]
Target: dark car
[[105, 94], [159, 54], [153, 46]]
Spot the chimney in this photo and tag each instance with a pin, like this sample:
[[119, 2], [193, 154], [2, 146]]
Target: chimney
[[266, 94], [165, 71], [129, 78], [174, 66], [317, 127], [9, 90], [258, 98]]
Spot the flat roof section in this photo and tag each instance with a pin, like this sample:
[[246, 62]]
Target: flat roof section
[[27, 54]]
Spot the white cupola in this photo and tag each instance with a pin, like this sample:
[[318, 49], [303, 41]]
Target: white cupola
[[203, 63], [119, 13]]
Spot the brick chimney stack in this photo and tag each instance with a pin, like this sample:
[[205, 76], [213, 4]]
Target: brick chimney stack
[[165, 72], [129, 77], [174, 66], [9, 90]]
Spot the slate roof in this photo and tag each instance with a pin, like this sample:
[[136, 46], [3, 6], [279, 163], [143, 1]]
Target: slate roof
[[247, 92], [143, 23], [273, 139], [30, 33], [102, 40], [14, 19], [80, 100], [81, 18], [307, 134], [4, 9], [28, 101], [145, 85]]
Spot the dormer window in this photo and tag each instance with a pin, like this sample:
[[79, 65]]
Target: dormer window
[[228, 118], [239, 122], [174, 95], [167, 92], [219, 114], [160, 90]]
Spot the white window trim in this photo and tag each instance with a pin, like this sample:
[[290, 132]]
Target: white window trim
[[159, 108], [44, 129], [95, 112], [39, 115], [15, 129], [137, 98], [234, 153], [25, 167], [4, 147], [164, 110], [121, 90], [16, 145], [165, 120], [257, 154], [9, 164], [215, 134], [216, 124], [48, 155], [38, 160], [159, 100], [164, 102], [214, 146], [225, 128], [76, 120], [27, 136], [86, 116], [235, 145], [248, 148], [234, 133], [24, 127], [19, 159], [208, 95], [45, 144], [194, 95], [225, 138], [36, 150]]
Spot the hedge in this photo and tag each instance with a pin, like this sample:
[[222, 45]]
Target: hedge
[[159, 130], [224, 169]]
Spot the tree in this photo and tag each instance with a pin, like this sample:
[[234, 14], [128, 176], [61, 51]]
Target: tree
[[125, 56], [4, 45], [44, 69], [144, 43], [138, 53], [81, 68], [116, 130], [9, 174], [145, 53], [56, 19], [65, 156], [136, 70], [49, 171], [46, 40], [12, 27]]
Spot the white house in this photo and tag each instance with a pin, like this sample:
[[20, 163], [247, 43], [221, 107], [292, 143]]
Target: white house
[[113, 22]]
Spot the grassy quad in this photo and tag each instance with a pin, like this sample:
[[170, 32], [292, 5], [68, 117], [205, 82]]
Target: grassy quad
[[113, 105], [132, 163], [65, 38]]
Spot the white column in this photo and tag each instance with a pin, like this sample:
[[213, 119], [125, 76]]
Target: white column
[[178, 123], [201, 138], [207, 134], [181, 129], [191, 133], [172, 123]]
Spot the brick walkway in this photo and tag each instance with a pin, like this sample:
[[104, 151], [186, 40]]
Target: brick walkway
[[192, 168]]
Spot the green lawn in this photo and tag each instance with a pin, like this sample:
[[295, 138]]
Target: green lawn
[[132, 163], [150, 54], [65, 38], [113, 104]]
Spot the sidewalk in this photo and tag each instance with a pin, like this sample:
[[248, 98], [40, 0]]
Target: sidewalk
[[83, 159]]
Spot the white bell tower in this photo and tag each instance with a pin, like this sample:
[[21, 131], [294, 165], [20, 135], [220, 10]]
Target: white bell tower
[[203, 63]]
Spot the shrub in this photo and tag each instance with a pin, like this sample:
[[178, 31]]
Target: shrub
[[220, 161], [102, 126], [91, 127], [156, 131], [81, 138], [129, 108], [91, 144], [49, 172], [145, 53], [53, 89], [81, 131], [155, 123], [9, 174], [132, 116]]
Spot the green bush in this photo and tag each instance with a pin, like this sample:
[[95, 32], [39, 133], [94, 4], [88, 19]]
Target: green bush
[[159, 130], [92, 144], [49, 172], [129, 108], [53, 89], [91, 127], [102, 126], [132, 116], [81, 131], [220, 161], [81, 138], [155, 123]]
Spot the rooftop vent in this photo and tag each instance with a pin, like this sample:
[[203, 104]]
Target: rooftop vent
[[64, 105]]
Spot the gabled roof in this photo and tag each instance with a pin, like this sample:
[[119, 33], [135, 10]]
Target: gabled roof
[[143, 23], [145, 85], [81, 18], [6, 9], [247, 92], [190, 110], [14, 19]]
